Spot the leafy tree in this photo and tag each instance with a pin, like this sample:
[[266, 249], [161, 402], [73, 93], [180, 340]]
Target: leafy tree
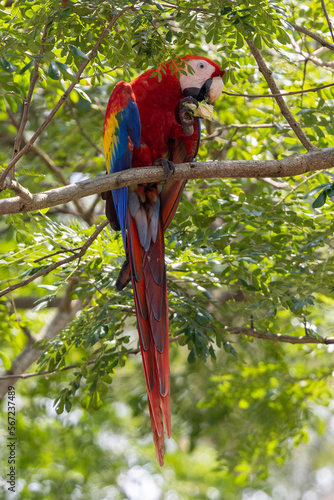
[[250, 257]]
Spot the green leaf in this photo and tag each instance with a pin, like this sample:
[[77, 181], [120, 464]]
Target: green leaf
[[7, 65], [66, 71], [53, 71], [5, 361], [169, 36], [240, 41], [258, 42], [77, 52], [321, 200], [191, 356], [26, 67]]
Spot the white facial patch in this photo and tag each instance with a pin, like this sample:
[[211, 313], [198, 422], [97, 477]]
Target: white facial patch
[[202, 72]]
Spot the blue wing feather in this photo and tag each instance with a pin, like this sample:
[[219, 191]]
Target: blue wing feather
[[121, 132]]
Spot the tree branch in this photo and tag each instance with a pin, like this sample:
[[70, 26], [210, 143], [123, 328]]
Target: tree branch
[[315, 36], [249, 332], [277, 337], [54, 266], [323, 5], [322, 159], [63, 98], [27, 101], [28, 302], [66, 312], [281, 94], [279, 99]]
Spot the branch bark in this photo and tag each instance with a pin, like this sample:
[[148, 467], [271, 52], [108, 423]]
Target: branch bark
[[27, 101], [63, 97], [277, 337], [279, 99], [315, 36], [77, 256], [249, 332], [322, 159], [65, 313]]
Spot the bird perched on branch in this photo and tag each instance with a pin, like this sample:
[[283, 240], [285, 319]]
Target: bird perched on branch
[[151, 121]]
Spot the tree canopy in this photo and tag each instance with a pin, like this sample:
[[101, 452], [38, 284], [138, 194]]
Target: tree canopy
[[250, 257]]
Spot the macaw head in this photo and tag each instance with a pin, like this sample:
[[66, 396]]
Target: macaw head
[[203, 80]]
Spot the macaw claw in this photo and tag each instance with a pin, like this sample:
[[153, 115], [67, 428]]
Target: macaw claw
[[186, 116], [167, 165]]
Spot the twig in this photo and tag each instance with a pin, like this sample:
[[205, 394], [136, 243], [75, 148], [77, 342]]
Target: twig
[[50, 164], [279, 99], [278, 93], [316, 37], [277, 337], [54, 266], [29, 302], [65, 250], [72, 367], [63, 98], [222, 153], [12, 93], [82, 130], [323, 5], [322, 159], [24, 194], [275, 184], [27, 101], [296, 187]]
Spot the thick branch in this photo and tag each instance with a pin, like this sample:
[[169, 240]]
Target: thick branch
[[279, 99], [287, 167]]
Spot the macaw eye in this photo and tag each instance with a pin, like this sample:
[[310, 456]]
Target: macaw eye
[[201, 65]]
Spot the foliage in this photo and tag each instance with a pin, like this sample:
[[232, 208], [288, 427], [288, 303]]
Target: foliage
[[240, 414]]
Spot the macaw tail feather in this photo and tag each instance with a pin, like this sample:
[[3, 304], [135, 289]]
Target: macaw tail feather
[[148, 275]]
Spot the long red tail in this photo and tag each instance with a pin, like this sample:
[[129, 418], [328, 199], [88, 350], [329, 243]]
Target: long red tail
[[148, 275]]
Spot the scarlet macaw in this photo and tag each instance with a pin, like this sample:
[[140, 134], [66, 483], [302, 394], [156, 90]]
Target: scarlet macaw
[[147, 122]]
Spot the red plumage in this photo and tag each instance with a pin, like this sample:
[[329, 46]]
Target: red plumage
[[151, 208]]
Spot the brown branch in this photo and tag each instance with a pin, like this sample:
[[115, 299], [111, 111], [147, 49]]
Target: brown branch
[[240, 126], [63, 98], [279, 99], [51, 165], [72, 367], [278, 93], [65, 313], [313, 58], [24, 194], [322, 159], [54, 266], [275, 184], [28, 302], [249, 332], [323, 5], [277, 337], [317, 38], [10, 92], [82, 130], [27, 101]]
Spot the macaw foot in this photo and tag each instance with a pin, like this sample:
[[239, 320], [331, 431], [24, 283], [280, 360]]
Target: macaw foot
[[186, 117], [167, 165]]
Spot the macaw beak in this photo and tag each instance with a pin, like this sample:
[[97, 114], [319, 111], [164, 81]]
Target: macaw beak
[[210, 90]]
